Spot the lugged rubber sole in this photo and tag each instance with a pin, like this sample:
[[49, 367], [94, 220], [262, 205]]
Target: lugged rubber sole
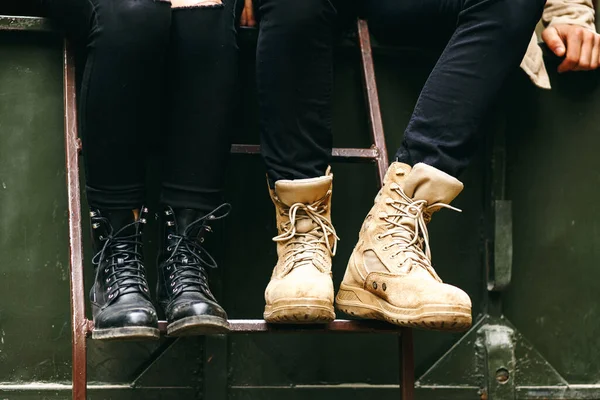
[[126, 333], [299, 311], [197, 326], [440, 317]]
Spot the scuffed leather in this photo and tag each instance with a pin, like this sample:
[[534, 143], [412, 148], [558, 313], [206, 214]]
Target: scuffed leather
[[306, 280], [374, 268]]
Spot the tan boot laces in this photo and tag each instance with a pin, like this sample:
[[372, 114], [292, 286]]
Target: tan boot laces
[[304, 244], [412, 246]]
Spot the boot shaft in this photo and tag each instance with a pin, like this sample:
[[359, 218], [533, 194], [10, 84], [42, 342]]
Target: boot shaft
[[182, 259], [395, 231], [118, 223], [118, 259], [314, 192], [174, 223], [303, 213]]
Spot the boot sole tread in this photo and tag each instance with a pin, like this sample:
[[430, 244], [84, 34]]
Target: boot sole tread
[[126, 333], [444, 317], [198, 326], [299, 311]]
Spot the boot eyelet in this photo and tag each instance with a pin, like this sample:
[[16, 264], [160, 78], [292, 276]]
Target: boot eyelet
[[384, 286], [172, 283], [168, 268], [101, 237], [201, 240], [175, 290], [106, 270], [169, 236], [108, 290], [375, 285], [107, 280], [110, 296], [171, 276], [169, 248], [145, 290]]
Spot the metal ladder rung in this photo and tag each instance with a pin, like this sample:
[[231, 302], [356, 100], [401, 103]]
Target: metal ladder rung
[[339, 154], [247, 326]]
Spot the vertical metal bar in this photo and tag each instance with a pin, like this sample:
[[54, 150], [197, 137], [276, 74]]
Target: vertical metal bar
[[78, 320], [407, 364], [405, 348], [372, 97]]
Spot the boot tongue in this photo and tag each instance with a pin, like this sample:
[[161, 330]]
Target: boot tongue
[[305, 191], [422, 182], [425, 182], [118, 220], [121, 218], [186, 216]]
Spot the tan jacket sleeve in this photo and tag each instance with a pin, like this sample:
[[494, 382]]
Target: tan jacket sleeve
[[574, 12]]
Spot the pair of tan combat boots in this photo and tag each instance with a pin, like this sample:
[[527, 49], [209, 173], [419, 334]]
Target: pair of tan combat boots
[[389, 276]]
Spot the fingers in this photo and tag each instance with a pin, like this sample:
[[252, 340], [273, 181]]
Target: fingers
[[247, 18], [553, 41], [595, 53], [243, 18], [582, 47], [587, 48], [574, 43]]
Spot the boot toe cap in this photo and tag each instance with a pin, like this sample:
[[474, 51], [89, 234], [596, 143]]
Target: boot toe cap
[[194, 308], [292, 286], [127, 315]]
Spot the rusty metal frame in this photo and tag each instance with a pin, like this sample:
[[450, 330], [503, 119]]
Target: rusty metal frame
[[79, 323], [372, 98], [82, 327]]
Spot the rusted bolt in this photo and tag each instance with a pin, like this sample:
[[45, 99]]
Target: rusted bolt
[[502, 375]]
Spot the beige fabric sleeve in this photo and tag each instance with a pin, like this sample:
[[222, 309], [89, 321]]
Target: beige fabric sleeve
[[575, 12]]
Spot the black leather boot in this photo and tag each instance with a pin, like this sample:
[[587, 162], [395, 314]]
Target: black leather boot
[[120, 297], [183, 292]]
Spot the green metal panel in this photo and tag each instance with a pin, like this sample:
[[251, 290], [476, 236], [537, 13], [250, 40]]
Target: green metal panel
[[34, 294]]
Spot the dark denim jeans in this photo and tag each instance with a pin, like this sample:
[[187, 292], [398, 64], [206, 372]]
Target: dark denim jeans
[[483, 41], [152, 72]]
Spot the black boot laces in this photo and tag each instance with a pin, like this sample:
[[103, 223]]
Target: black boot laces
[[125, 271], [188, 260]]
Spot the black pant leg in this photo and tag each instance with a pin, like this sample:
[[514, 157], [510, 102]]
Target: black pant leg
[[203, 71], [294, 77], [120, 92], [485, 40]]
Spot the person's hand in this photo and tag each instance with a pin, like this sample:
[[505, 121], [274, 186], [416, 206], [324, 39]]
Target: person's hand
[[579, 46], [248, 14]]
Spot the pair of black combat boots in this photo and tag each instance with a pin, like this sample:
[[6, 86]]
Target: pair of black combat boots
[[121, 302]]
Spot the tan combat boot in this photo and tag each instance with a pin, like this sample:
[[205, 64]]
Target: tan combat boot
[[301, 290], [389, 275]]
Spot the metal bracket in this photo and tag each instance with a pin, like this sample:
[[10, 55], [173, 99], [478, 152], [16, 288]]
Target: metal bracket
[[498, 343], [500, 273], [499, 263], [492, 361]]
